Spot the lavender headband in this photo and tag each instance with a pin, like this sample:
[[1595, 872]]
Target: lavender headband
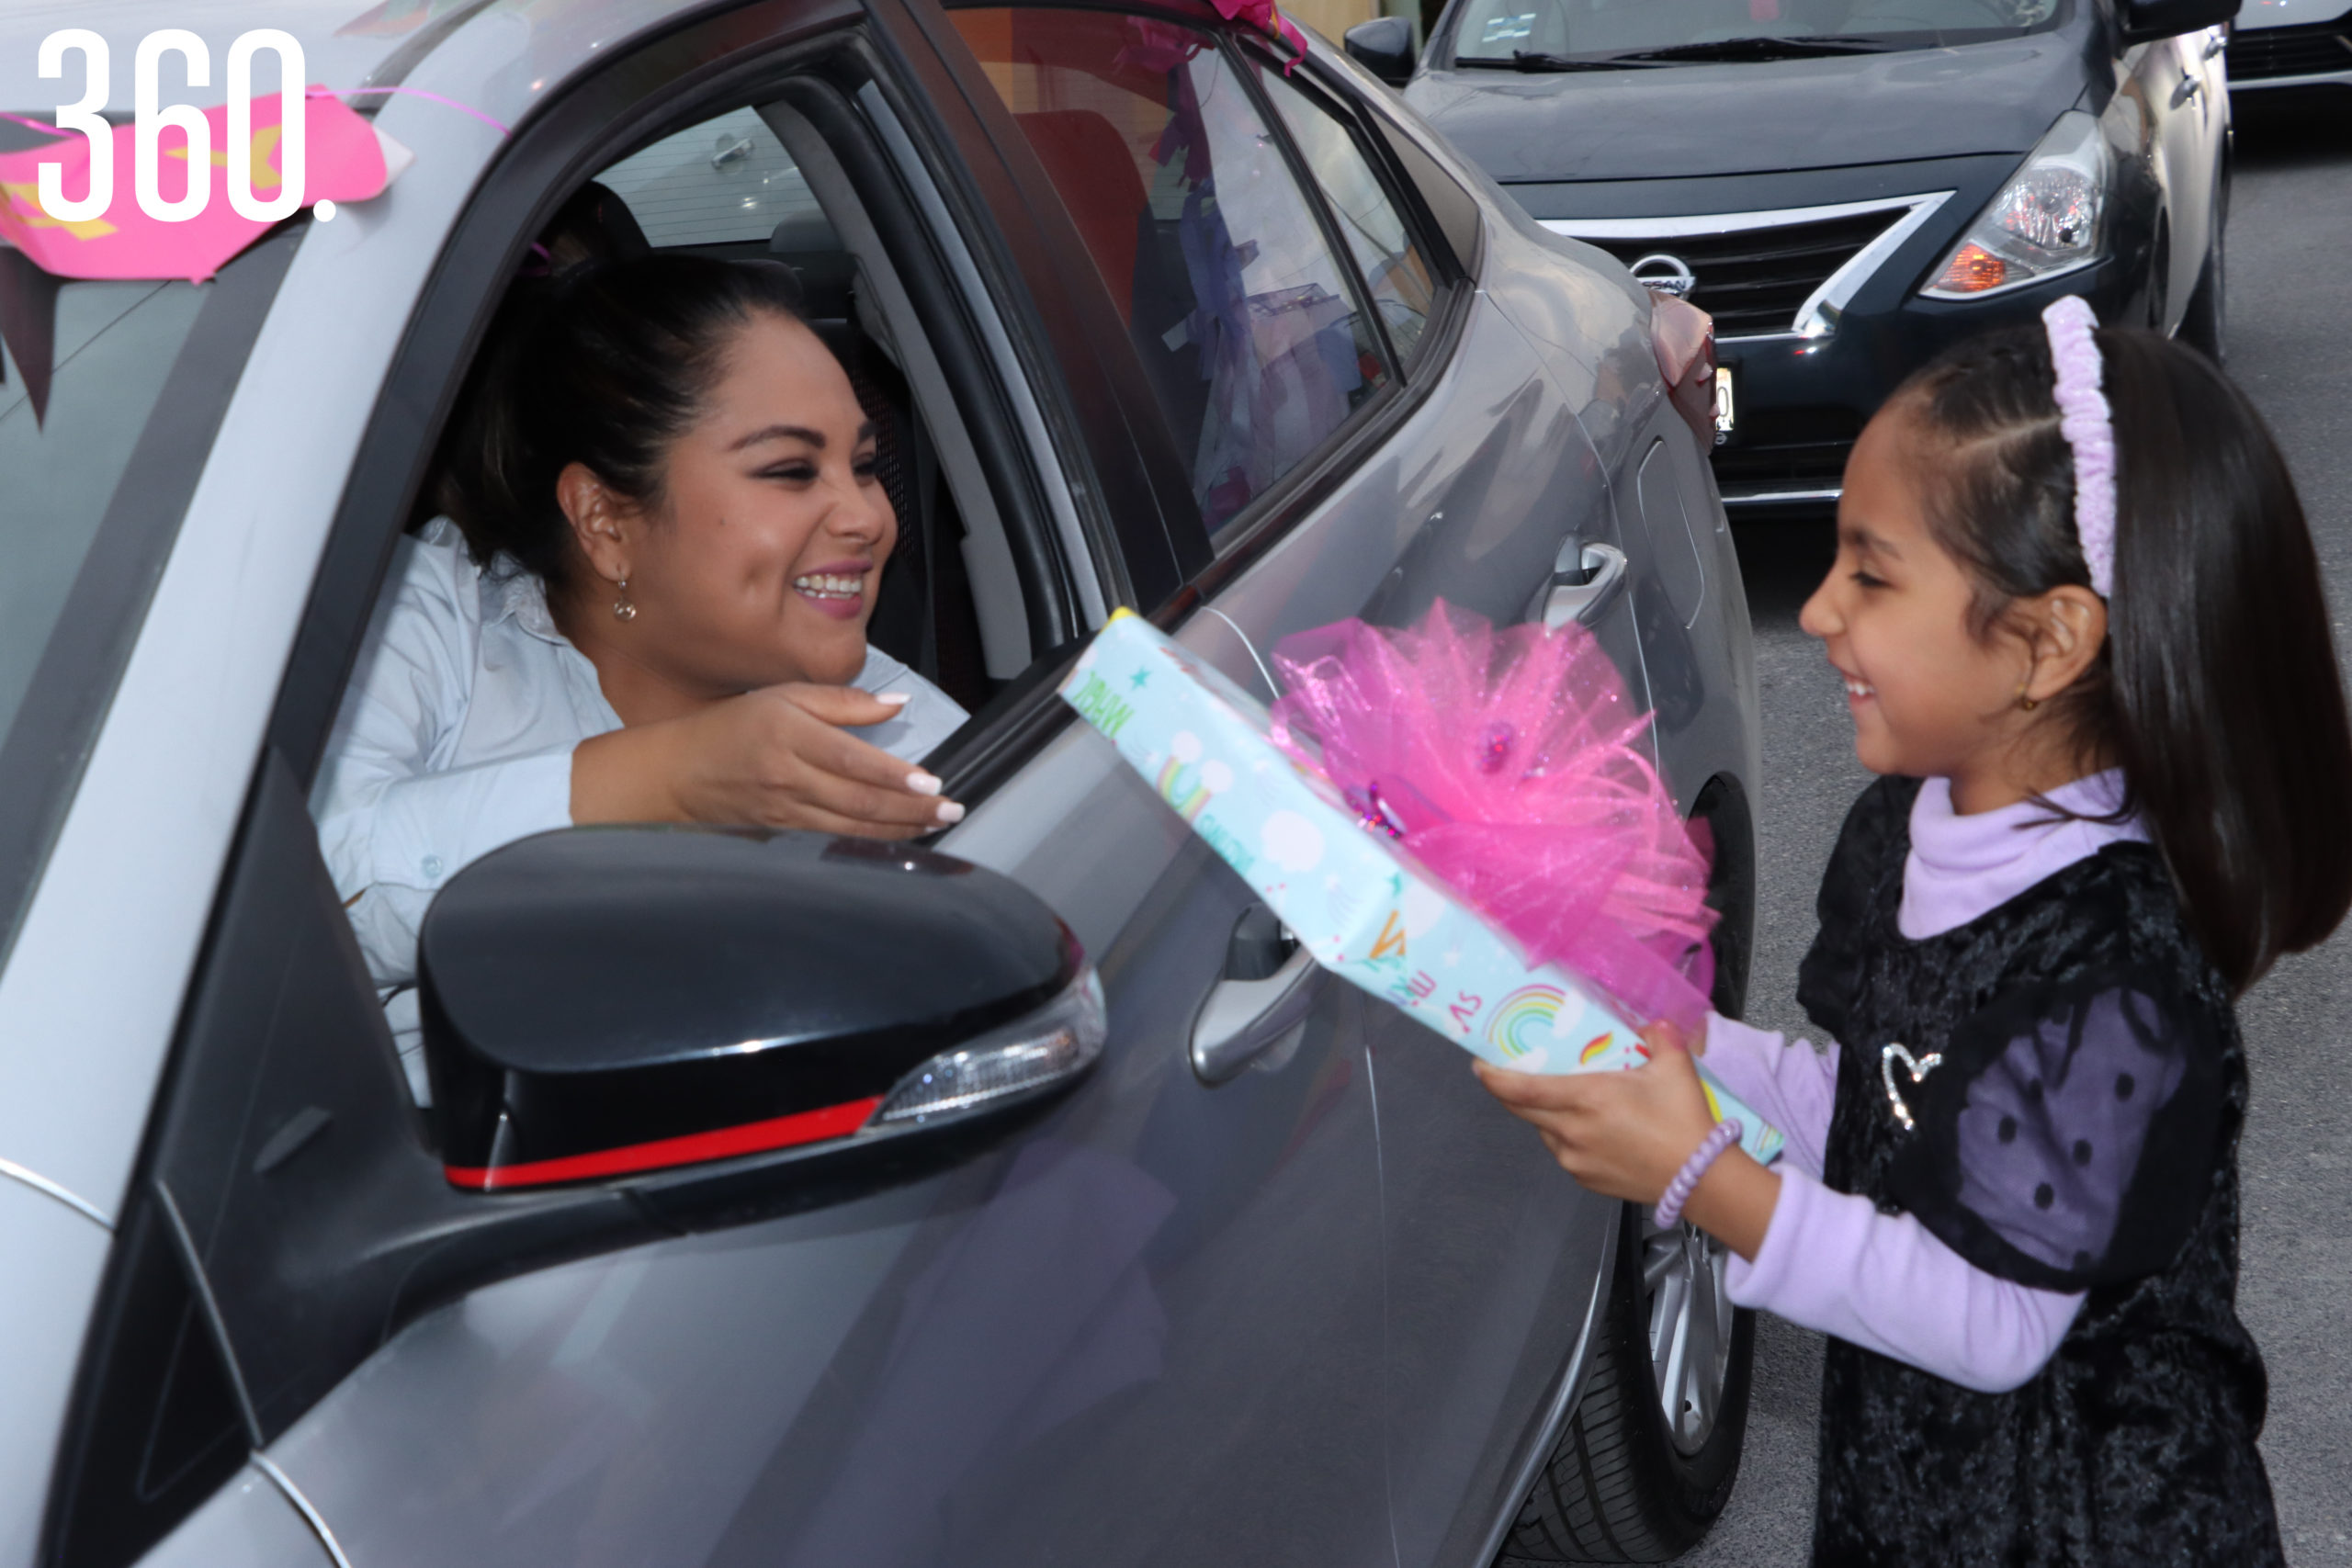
[[2089, 428]]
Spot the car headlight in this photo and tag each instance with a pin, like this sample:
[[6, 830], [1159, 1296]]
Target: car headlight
[[2049, 219]]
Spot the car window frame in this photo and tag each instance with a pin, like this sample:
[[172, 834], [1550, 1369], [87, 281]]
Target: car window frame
[[1301, 491]]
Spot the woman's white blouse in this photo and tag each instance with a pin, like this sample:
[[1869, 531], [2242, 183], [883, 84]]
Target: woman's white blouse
[[456, 736]]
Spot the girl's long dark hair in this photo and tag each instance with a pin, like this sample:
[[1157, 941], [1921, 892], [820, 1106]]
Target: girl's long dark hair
[[2218, 692]]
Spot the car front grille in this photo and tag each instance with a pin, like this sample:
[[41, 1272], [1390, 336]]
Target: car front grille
[[1754, 281], [2319, 49]]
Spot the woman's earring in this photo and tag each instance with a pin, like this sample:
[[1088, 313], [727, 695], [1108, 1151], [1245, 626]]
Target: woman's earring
[[2027, 703], [622, 609]]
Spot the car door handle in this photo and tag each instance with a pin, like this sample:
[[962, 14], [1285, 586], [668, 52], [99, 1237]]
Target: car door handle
[[1586, 580], [1255, 1022], [2186, 91], [2218, 44]]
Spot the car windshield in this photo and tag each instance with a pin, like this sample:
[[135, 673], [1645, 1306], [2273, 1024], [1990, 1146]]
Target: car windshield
[[92, 487], [1534, 33]]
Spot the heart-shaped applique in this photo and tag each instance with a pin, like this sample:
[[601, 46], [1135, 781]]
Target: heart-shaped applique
[[1917, 1066]]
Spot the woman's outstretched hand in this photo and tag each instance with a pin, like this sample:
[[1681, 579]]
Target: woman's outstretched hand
[[1627, 1135], [781, 757]]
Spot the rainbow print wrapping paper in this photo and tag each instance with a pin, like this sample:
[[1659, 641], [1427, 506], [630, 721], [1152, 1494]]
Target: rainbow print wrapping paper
[[1354, 898]]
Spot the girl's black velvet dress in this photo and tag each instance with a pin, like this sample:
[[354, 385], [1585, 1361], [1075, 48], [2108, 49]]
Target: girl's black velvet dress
[[2073, 1126]]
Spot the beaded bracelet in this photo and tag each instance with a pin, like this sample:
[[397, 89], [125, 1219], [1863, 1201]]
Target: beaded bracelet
[[1677, 1191]]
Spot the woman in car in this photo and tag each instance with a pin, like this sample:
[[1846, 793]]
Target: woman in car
[[647, 602]]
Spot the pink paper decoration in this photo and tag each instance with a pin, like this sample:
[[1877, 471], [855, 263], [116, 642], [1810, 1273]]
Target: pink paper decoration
[[346, 164], [1264, 15]]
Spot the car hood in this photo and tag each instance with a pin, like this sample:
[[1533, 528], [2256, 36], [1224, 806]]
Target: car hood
[[1753, 118]]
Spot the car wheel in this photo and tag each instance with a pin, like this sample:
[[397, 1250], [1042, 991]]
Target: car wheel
[[1649, 1458], [2201, 324]]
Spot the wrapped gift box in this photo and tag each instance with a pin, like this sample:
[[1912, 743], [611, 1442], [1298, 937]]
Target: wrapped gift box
[[1354, 896]]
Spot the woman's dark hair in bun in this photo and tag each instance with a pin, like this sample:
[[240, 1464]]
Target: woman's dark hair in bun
[[605, 365]]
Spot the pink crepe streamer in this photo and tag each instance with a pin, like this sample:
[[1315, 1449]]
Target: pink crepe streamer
[[2088, 425], [36, 125], [499, 125], [1506, 762], [344, 163]]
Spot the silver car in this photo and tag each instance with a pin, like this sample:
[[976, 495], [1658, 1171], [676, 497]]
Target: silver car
[[1157, 316]]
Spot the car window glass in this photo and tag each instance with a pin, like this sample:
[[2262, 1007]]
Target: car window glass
[[95, 484], [115, 343], [1394, 272], [723, 181], [1499, 28], [1244, 319]]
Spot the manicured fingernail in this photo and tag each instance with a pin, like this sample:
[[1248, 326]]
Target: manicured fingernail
[[894, 699], [922, 783], [949, 812]]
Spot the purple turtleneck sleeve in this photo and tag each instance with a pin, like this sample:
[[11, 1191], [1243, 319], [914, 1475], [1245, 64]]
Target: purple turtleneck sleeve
[[1830, 1260]]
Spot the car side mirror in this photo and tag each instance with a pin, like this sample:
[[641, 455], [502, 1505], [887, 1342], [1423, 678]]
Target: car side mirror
[[2145, 20], [608, 1002], [1384, 46]]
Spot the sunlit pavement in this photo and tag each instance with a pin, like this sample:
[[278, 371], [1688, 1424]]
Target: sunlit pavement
[[2291, 337]]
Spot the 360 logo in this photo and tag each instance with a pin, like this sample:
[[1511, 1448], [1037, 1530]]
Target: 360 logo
[[152, 117]]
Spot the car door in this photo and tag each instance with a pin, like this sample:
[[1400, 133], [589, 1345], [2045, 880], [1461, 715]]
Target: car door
[[1472, 480]]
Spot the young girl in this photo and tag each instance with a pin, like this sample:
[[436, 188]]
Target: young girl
[[2082, 638]]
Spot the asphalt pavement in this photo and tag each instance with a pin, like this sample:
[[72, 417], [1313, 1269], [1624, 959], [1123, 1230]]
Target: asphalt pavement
[[2289, 334]]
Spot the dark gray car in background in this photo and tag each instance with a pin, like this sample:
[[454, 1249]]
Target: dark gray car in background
[[1848, 185], [1026, 1198]]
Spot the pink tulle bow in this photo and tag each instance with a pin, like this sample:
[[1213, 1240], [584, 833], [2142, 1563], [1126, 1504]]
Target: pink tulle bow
[[1507, 762]]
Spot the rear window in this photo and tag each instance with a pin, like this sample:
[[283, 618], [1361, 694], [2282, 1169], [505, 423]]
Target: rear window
[[91, 494], [726, 181]]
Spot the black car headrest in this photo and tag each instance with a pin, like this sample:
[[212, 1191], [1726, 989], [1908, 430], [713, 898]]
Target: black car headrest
[[807, 242]]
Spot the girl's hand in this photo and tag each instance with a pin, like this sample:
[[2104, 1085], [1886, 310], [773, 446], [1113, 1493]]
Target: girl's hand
[[1627, 1135], [1623, 1135], [775, 758]]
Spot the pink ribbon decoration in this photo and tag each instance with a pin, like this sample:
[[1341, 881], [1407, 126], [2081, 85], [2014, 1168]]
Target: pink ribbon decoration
[[1264, 15], [344, 162], [1508, 761], [2084, 419]]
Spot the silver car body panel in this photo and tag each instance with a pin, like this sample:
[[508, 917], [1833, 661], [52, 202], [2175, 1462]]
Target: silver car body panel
[[252, 1522]]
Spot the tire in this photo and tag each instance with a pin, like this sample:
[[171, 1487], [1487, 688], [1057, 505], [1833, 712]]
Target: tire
[[1625, 1485], [2202, 325]]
